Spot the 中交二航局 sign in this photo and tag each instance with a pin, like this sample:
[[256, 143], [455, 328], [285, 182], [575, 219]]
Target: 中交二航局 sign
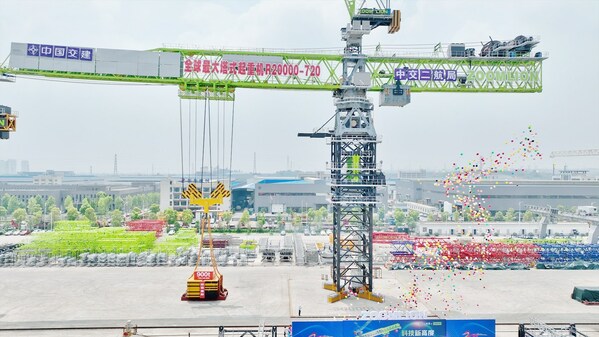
[[480, 75], [60, 52]]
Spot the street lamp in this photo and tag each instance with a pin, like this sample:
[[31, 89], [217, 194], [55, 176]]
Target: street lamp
[[519, 211]]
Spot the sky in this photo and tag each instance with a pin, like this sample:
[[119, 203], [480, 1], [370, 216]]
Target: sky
[[78, 127]]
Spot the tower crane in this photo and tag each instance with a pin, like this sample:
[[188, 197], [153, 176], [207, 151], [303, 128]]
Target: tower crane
[[355, 174]]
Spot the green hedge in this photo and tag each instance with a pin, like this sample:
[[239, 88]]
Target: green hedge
[[185, 238], [69, 226], [102, 240]]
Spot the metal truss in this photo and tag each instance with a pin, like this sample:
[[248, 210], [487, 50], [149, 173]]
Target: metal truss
[[325, 72]]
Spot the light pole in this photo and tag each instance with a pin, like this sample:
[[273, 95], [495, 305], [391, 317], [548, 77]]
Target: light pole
[[519, 211]]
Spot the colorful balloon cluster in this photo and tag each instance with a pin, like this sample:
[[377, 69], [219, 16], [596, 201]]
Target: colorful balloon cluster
[[461, 185]]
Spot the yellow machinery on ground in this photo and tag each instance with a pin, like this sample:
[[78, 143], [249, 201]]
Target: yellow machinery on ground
[[205, 284]]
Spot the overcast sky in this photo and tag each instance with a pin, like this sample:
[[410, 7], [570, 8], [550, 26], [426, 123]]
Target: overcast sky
[[66, 126]]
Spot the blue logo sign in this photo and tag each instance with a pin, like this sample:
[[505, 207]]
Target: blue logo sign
[[407, 74], [61, 52], [33, 49]]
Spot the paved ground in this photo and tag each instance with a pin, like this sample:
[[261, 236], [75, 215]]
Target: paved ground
[[79, 297]]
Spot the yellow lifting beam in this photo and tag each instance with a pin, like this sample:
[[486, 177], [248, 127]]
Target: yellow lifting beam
[[205, 285]]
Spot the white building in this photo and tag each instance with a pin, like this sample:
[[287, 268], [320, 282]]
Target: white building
[[501, 228], [170, 195], [24, 166]]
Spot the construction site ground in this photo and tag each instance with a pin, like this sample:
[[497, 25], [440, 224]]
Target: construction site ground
[[150, 297]]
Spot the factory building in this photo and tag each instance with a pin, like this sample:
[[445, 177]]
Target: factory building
[[277, 195], [60, 184], [511, 228], [503, 195]]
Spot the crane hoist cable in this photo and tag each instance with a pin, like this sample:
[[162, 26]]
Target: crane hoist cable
[[181, 134], [189, 141], [231, 141], [195, 146], [206, 284]]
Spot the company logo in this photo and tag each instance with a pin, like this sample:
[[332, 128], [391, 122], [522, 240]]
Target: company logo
[[468, 334]]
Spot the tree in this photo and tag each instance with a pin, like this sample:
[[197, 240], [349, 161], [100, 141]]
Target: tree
[[445, 216], [297, 219], [170, 216], [68, 202], [84, 205], [117, 218], [39, 201], [456, 216], [104, 204], [528, 216], [90, 214], [72, 213], [499, 216], [13, 204], [245, 217], [430, 217], [50, 202], [3, 211], [4, 200], [154, 208], [54, 214], [119, 203], [33, 206], [399, 216], [414, 215], [136, 213], [36, 218], [510, 215], [227, 216], [321, 215], [19, 215], [187, 216], [311, 215], [128, 202], [260, 219]]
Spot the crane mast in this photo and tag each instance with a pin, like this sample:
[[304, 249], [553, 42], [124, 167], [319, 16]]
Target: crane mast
[[355, 174]]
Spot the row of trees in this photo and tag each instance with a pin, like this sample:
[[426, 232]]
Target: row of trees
[[101, 207], [509, 216]]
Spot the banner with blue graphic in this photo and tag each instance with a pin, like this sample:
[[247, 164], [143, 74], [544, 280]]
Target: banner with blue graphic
[[470, 328], [395, 328]]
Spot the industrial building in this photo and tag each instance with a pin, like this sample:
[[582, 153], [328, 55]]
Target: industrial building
[[276, 195], [503, 195], [60, 184], [460, 228]]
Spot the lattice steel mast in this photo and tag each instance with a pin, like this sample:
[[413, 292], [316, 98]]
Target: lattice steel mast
[[355, 174]]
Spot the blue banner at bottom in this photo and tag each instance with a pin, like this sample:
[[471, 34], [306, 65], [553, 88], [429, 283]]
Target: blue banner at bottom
[[395, 328]]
